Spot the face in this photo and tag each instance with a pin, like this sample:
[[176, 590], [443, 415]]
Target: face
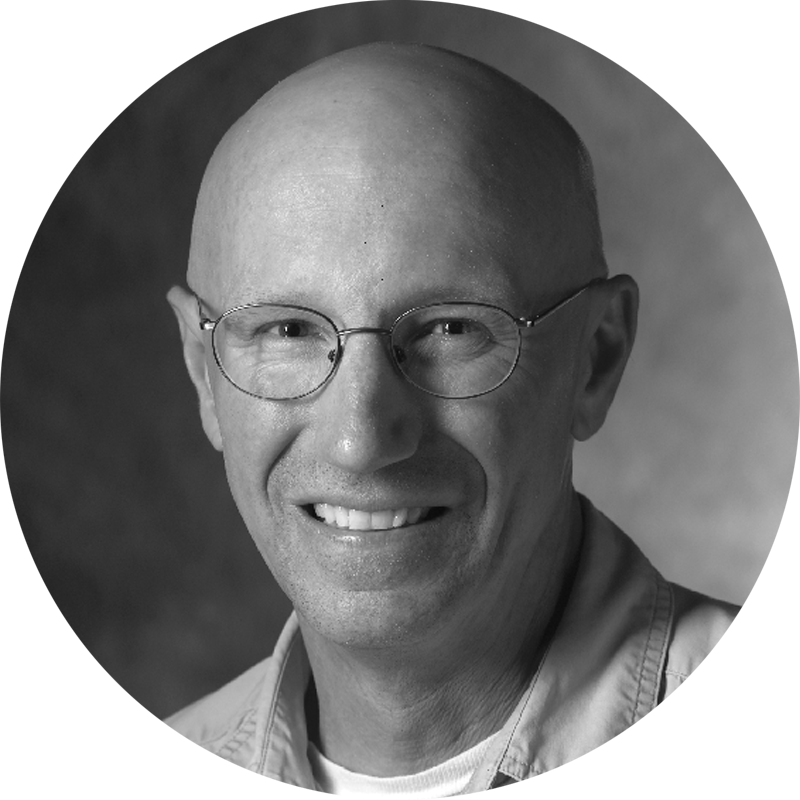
[[362, 232]]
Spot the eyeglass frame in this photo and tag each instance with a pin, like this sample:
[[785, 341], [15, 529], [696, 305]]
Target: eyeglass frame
[[207, 324]]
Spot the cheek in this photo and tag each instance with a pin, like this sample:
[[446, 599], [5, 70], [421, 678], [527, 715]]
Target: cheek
[[520, 435], [255, 433]]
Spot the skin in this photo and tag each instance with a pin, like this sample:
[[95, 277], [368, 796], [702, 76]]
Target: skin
[[380, 179]]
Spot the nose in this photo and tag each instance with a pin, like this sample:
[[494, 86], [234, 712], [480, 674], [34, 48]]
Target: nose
[[368, 416]]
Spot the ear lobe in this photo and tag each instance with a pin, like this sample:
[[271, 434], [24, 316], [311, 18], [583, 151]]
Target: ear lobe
[[607, 346], [184, 304]]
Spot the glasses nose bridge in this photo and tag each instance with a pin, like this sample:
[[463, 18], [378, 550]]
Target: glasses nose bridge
[[349, 331]]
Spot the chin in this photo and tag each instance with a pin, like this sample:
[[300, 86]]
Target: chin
[[375, 619]]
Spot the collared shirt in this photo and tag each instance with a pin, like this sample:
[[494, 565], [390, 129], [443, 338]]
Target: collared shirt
[[626, 639]]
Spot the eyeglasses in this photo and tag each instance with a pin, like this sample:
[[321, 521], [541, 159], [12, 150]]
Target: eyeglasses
[[453, 350]]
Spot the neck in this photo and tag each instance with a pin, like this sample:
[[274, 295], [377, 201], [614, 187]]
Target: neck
[[402, 709]]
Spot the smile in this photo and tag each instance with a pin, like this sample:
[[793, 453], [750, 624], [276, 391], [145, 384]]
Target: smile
[[355, 520]]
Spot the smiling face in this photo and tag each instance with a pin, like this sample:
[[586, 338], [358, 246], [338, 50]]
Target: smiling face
[[363, 188]]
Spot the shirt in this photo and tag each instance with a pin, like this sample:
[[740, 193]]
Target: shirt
[[443, 780], [625, 640]]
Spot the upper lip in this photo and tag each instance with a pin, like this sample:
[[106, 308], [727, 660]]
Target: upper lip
[[372, 507], [372, 504]]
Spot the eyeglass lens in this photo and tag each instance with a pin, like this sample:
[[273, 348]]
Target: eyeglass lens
[[280, 352]]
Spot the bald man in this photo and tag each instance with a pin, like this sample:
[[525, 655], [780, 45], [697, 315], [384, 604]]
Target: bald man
[[399, 321]]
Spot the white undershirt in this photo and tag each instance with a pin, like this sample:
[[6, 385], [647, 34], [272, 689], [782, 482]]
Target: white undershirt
[[444, 780]]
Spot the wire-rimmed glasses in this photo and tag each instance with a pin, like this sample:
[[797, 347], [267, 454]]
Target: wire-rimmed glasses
[[454, 350]]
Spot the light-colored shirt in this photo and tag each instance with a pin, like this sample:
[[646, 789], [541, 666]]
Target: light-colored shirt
[[626, 639], [444, 780]]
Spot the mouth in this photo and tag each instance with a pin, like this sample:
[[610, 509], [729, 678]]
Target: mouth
[[353, 519]]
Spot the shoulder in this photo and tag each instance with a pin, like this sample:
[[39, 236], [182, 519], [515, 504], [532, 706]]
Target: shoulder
[[725, 648], [728, 723], [160, 758]]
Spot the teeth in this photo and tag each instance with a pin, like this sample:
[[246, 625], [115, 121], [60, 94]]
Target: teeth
[[359, 520], [342, 517], [382, 520], [355, 520]]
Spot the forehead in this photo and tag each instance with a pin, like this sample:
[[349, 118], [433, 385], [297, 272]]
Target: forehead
[[409, 238], [365, 181]]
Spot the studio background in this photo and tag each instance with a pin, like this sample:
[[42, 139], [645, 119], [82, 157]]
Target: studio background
[[124, 503]]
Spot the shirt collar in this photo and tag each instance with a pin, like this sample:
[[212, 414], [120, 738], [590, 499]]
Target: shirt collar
[[599, 674], [281, 735]]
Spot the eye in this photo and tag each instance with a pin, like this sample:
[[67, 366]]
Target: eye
[[280, 329], [276, 331], [289, 329], [445, 337], [452, 327]]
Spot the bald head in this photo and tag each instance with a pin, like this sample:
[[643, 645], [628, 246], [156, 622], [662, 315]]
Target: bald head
[[394, 133]]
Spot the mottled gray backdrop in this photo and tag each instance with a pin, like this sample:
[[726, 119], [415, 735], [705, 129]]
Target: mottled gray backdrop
[[123, 502]]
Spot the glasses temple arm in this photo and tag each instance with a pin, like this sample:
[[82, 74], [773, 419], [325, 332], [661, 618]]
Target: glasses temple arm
[[529, 322]]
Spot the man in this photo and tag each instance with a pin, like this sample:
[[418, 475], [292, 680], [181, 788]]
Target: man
[[399, 320]]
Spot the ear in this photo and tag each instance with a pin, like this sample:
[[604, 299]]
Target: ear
[[608, 340], [184, 304]]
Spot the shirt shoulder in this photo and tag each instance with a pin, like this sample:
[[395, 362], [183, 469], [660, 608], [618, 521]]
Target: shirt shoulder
[[162, 757], [733, 650], [728, 723]]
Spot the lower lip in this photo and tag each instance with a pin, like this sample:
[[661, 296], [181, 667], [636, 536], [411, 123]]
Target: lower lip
[[378, 560]]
